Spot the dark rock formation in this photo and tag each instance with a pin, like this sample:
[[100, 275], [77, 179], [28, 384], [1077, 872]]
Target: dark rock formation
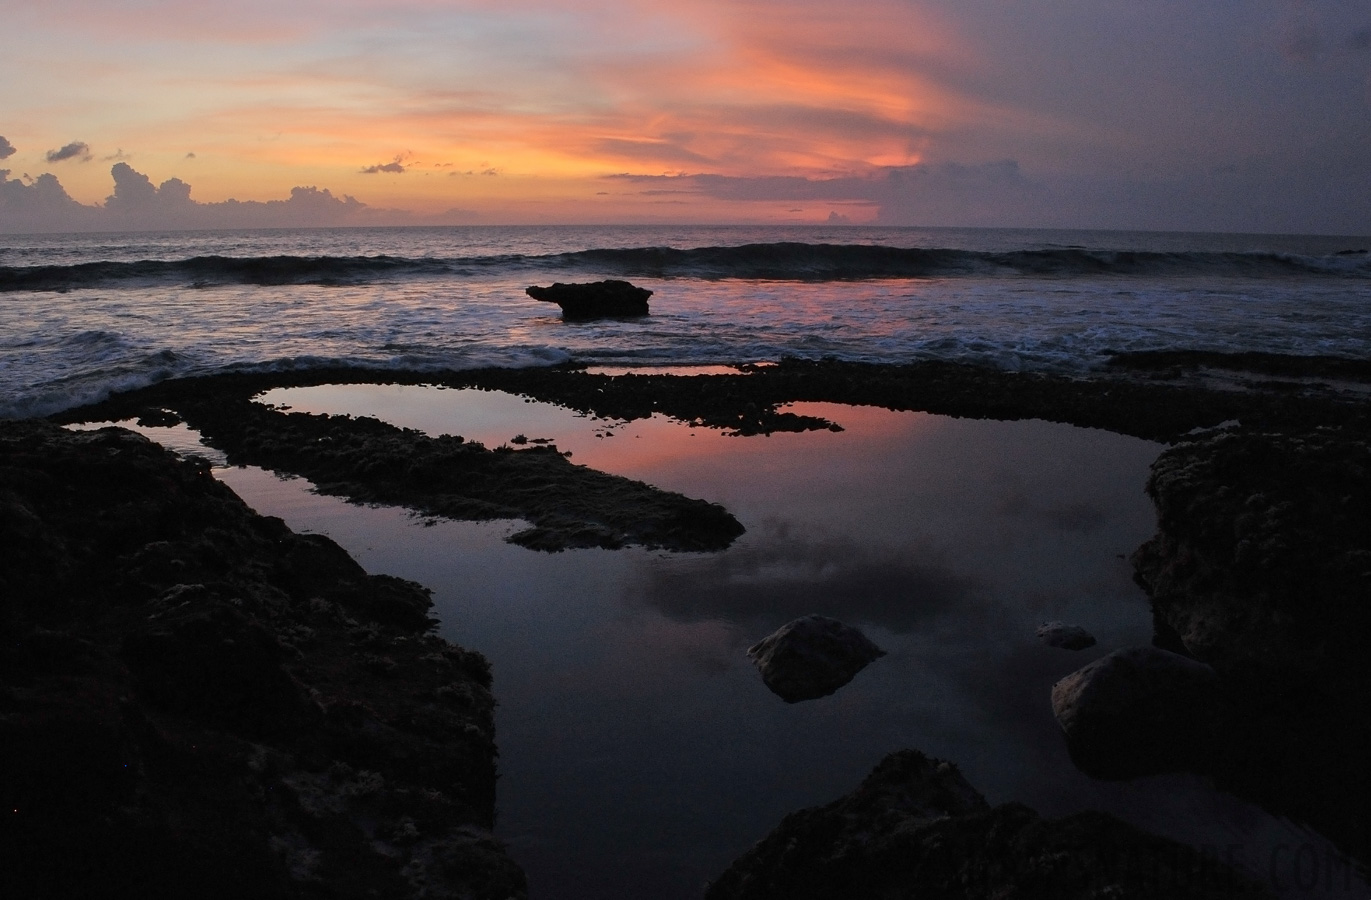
[[594, 300], [1065, 637], [1136, 712], [916, 828], [197, 702], [1261, 567], [369, 461], [1263, 554], [812, 657]]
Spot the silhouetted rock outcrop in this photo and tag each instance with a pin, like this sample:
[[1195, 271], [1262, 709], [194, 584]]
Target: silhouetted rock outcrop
[[594, 300]]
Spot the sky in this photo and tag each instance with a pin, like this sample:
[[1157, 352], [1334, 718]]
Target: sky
[[1220, 115]]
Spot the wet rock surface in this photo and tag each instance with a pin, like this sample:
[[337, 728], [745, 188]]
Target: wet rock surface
[[188, 704], [916, 828], [812, 657], [1138, 711], [594, 300]]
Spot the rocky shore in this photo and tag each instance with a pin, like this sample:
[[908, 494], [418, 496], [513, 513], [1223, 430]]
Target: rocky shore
[[197, 702], [1261, 568], [189, 680]]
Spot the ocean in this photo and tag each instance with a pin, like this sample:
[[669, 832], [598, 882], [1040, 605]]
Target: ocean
[[88, 314]]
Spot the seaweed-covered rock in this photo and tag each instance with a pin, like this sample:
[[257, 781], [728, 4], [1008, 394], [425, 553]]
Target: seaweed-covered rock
[[594, 300], [812, 657], [916, 828], [188, 706], [1137, 711]]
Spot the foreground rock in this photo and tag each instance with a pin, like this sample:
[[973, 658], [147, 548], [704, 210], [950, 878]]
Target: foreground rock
[[916, 828], [1261, 567], [197, 702], [1065, 637], [594, 300], [812, 657], [1138, 711]]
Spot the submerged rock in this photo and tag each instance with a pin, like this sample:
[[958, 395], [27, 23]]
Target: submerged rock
[[916, 828], [1064, 636], [594, 300], [1137, 711], [812, 657]]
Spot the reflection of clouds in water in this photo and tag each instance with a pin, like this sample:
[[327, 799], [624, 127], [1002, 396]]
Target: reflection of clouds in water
[[781, 573], [1081, 517]]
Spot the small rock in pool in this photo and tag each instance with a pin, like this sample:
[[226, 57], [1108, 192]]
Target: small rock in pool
[[1067, 637], [812, 657]]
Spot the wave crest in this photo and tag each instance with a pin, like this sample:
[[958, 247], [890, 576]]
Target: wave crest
[[782, 261]]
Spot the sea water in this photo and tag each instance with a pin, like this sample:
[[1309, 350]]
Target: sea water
[[84, 315]]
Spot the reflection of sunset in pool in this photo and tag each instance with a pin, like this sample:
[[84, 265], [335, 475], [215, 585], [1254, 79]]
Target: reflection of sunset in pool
[[640, 751]]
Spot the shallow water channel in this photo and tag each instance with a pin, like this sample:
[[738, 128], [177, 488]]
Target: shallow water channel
[[640, 751]]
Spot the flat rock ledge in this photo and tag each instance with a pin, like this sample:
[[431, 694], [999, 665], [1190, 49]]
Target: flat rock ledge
[[812, 657], [197, 702], [916, 828], [369, 461]]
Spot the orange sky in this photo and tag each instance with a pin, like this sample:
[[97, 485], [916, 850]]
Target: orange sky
[[518, 111]]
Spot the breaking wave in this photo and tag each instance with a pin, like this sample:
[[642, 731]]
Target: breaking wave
[[781, 261]]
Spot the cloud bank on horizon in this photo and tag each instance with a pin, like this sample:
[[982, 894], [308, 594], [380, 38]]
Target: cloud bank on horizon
[[1250, 115]]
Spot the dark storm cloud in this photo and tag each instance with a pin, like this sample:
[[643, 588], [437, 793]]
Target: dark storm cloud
[[784, 575], [6, 149], [75, 150]]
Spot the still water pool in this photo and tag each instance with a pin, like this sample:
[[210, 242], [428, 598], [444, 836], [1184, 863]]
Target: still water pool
[[640, 751]]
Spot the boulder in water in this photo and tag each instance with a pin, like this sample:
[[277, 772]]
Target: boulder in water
[[812, 657], [1064, 636], [594, 300], [1137, 711]]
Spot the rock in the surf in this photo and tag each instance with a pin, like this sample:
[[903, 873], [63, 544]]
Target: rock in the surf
[[1137, 711], [594, 300], [812, 657], [1064, 636]]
